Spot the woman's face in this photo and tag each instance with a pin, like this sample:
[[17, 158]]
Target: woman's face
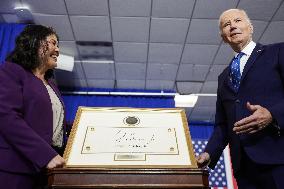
[[49, 51]]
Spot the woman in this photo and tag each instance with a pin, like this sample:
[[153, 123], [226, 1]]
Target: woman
[[31, 110]]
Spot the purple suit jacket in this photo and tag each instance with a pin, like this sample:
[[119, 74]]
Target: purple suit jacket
[[262, 83], [25, 121]]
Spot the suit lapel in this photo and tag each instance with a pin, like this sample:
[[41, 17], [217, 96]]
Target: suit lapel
[[226, 81], [255, 53]]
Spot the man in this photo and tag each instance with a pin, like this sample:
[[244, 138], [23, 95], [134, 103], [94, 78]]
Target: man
[[249, 107]]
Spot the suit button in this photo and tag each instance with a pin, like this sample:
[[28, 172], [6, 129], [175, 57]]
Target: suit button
[[237, 101]]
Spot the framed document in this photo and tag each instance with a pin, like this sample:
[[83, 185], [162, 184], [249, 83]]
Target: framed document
[[130, 138]]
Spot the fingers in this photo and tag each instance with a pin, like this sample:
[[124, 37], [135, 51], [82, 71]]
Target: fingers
[[249, 126], [259, 119], [200, 159], [245, 125], [203, 160], [251, 108], [245, 121], [254, 130], [57, 161]]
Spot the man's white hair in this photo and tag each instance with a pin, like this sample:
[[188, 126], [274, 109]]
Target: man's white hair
[[229, 10]]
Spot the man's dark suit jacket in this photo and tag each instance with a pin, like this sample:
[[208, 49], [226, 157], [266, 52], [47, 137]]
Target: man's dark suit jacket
[[262, 83], [26, 123]]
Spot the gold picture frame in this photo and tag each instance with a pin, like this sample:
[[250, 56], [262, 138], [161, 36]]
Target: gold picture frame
[[130, 138]]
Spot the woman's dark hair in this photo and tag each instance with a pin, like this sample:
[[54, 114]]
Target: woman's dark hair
[[28, 43]]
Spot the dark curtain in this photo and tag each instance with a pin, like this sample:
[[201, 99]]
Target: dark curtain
[[72, 102], [8, 34], [201, 130]]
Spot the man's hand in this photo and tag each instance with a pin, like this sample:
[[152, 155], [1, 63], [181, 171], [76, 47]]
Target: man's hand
[[259, 119], [57, 161], [203, 160]]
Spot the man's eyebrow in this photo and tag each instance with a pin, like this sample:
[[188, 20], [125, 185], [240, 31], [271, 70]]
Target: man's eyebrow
[[225, 22]]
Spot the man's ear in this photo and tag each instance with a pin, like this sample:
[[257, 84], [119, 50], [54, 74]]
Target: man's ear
[[251, 29], [223, 37]]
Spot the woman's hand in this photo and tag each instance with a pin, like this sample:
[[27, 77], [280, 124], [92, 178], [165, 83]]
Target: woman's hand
[[57, 161]]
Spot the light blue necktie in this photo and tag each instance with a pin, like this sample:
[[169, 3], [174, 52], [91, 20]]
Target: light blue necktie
[[236, 72]]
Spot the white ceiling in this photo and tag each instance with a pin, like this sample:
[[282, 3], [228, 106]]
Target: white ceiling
[[157, 44]]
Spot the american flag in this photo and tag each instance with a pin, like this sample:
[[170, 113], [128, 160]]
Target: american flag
[[221, 177]]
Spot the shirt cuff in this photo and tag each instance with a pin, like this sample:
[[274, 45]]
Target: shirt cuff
[[275, 125]]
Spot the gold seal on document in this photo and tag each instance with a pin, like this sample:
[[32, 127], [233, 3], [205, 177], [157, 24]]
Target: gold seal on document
[[131, 120]]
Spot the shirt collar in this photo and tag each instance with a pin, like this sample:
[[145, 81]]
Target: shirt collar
[[248, 49]]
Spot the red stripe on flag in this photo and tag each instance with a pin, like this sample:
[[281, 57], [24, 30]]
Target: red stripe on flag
[[235, 185]]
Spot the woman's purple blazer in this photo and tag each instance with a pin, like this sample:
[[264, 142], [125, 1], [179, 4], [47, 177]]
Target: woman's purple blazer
[[25, 121]]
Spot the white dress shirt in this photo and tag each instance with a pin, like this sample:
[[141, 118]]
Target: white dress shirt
[[247, 52]]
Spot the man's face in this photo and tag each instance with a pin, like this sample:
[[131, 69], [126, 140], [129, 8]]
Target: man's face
[[235, 28]]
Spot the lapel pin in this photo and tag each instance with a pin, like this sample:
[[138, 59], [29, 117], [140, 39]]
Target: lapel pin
[[258, 50]]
